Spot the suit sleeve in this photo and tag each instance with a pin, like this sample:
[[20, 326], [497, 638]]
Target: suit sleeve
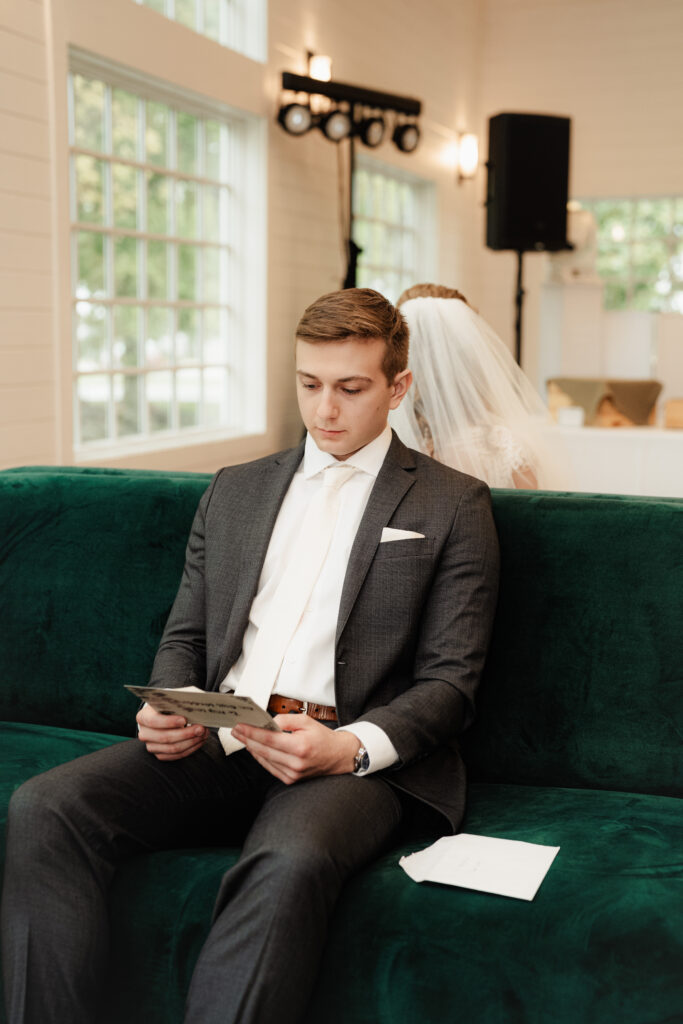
[[454, 632], [181, 657]]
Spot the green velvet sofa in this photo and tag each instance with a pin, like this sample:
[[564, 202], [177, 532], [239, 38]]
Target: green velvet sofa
[[577, 744]]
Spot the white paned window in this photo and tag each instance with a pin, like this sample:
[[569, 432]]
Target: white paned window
[[237, 24], [640, 252], [393, 225], [157, 240]]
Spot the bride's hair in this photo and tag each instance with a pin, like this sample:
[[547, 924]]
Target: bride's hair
[[471, 406], [430, 291]]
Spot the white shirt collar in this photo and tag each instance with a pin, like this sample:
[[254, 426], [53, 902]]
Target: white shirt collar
[[368, 459]]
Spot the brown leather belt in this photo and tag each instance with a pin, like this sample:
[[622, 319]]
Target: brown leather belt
[[289, 706]]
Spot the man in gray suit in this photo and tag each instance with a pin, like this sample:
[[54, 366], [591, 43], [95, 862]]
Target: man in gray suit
[[384, 662]]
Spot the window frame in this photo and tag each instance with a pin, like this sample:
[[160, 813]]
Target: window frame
[[248, 315], [631, 279], [425, 238]]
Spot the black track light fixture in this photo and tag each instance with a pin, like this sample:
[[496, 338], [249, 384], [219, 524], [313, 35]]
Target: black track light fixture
[[371, 131], [351, 112], [406, 137], [336, 125], [356, 112], [295, 118]]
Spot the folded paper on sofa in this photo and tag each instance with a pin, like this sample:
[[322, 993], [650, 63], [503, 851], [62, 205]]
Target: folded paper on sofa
[[506, 867]]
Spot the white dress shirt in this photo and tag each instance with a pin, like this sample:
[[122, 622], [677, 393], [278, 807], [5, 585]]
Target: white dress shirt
[[307, 670]]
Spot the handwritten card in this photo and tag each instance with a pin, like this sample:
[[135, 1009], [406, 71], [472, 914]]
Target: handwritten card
[[203, 707]]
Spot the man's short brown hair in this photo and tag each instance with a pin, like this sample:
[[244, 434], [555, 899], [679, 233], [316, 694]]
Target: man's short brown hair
[[358, 313], [430, 291]]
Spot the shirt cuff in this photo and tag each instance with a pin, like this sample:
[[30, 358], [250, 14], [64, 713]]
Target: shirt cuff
[[381, 751]]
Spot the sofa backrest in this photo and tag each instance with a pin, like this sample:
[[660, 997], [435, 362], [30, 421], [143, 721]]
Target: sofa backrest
[[89, 565], [583, 680], [583, 683]]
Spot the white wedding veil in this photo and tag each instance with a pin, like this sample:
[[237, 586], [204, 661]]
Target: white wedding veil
[[470, 405]]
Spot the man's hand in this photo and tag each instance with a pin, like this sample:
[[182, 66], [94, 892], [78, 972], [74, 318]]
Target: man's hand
[[306, 749], [168, 737]]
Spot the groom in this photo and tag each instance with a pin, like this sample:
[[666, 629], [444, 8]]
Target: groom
[[382, 659]]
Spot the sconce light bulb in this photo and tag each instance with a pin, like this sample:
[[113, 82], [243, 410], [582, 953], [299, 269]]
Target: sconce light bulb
[[320, 67], [449, 156], [468, 155]]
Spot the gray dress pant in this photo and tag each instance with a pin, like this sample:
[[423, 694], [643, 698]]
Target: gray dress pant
[[70, 827]]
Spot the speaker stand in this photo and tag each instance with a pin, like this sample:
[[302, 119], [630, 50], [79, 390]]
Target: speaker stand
[[519, 298], [353, 250]]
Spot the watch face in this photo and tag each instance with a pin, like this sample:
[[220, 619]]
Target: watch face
[[362, 761]]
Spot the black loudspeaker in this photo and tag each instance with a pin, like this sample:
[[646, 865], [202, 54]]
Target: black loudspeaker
[[528, 180]]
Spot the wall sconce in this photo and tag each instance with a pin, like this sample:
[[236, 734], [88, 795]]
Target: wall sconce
[[468, 156], [319, 66]]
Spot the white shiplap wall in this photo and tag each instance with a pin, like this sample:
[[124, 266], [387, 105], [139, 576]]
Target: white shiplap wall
[[27, 379]]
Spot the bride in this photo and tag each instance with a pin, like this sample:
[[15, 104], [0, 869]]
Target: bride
[[470, 405]]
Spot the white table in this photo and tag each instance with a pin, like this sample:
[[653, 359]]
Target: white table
[[626, 460]]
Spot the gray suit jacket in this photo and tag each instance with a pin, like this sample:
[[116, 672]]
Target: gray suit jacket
[[415, 614]]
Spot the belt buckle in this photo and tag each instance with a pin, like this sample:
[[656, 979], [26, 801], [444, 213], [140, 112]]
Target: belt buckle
[[304, 707]]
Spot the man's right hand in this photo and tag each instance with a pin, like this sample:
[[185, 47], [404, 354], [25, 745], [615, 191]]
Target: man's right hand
[[168, 737]]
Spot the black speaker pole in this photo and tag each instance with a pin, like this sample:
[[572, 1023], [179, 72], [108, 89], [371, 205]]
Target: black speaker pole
[[353, 250], [519, 298]]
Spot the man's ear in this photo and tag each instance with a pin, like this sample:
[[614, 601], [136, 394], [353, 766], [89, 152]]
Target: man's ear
[[402, 382]]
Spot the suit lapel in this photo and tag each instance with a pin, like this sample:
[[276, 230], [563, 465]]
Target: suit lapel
[[395, 478]]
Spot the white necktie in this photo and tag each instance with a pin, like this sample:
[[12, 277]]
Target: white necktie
[[289, 601]]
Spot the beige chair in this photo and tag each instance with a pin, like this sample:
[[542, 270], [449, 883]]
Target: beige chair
[[606, 402]]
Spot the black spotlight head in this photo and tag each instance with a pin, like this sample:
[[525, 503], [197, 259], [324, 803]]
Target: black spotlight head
[[295, 118], [336, 125], [406, 137], [371, 130]]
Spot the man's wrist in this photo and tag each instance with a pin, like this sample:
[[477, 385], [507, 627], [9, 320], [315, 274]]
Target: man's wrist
[[351, 747], [380, 750], [361, 762]]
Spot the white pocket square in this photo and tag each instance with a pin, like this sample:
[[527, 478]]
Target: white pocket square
[[388, 533]]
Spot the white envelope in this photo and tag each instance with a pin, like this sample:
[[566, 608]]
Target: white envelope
[[388, 533], [508, 867]]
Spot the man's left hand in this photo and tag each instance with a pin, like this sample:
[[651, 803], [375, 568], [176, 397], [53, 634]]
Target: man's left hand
[[304, 749]]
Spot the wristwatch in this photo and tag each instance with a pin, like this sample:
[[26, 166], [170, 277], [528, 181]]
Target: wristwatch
[[361, 761]]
